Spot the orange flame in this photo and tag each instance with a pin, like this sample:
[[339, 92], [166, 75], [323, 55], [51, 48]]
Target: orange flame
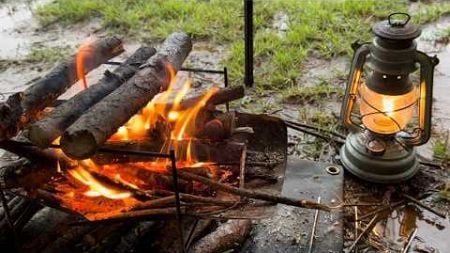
[[96, 188], [82, 54], [165, 106]]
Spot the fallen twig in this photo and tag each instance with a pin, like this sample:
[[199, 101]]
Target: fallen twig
[[417, 202], [368, 227], [254, 194]]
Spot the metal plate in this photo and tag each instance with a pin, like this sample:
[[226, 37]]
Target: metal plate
[[289, 229]]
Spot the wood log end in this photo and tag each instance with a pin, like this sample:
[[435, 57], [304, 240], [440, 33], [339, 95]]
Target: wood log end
[[39, 136], [79, 145]]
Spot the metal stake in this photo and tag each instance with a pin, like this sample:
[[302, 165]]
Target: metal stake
[[177, 199], [248, 33], [225, 81]]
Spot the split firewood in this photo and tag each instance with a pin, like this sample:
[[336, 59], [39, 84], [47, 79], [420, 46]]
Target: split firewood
[[45, 131], [227, 236], [82, 139], [23, 107]]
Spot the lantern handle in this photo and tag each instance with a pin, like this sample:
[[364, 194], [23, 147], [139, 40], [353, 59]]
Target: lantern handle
[[359, 58], [396, 23], [427, 65]]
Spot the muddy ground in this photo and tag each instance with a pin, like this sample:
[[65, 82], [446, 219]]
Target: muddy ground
[[20, 33]]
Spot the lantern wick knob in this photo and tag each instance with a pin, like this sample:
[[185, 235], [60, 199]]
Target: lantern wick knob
[[396, 22]]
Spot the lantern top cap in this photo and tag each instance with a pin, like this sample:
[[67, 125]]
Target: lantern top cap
[[397, 29]]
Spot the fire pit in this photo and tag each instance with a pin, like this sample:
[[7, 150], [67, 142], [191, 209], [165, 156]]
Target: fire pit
[[141, 144]]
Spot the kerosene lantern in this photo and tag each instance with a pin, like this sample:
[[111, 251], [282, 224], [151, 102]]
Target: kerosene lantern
[[386, 112]]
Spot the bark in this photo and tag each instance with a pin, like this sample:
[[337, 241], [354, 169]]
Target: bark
[[131, 240], [23, 107], [222, 96], [34, 169], [45, 131], [82, 139], [229, 235]]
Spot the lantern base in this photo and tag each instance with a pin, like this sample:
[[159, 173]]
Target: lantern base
[[395, 165]]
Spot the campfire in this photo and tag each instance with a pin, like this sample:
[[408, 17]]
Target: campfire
[[142, 143]]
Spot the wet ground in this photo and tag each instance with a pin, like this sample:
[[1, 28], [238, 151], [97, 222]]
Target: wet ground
[[20, 33]]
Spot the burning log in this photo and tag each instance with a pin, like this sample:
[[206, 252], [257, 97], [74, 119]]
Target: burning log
[[92, 129], [23, 107], [45, 131], [222, 96], [226, 237], [203, 151]]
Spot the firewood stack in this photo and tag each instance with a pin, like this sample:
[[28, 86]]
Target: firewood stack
[[234, 154]]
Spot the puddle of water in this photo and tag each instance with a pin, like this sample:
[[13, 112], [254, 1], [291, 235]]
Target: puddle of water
[[441, 91], [15, 18], [392, 234]]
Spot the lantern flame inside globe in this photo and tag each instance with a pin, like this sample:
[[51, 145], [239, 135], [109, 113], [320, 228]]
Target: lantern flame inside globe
[[385, 114]]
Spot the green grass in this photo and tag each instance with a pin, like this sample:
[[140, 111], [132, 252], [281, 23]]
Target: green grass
[[47, 54], [440, 148], [326, 27], [314, 94]]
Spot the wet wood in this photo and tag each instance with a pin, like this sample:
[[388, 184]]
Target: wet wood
[[228, 236], [82, 139], [23, 107], [45, 131], [253, 194]]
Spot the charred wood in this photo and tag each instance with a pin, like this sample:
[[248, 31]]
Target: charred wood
[[93, 128], [24, 107], [130, 241], [45, 131]]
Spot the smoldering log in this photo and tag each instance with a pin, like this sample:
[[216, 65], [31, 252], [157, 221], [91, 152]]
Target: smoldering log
[[23, 107], [93, 128], [227, 236], [203, 151], [45, 131], [35, 168]]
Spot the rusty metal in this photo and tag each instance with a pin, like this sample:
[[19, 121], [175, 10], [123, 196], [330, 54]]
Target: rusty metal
[[289, 227]]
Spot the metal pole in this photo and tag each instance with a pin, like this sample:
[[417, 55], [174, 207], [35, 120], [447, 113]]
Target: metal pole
[[248, 33], [177, 199]]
